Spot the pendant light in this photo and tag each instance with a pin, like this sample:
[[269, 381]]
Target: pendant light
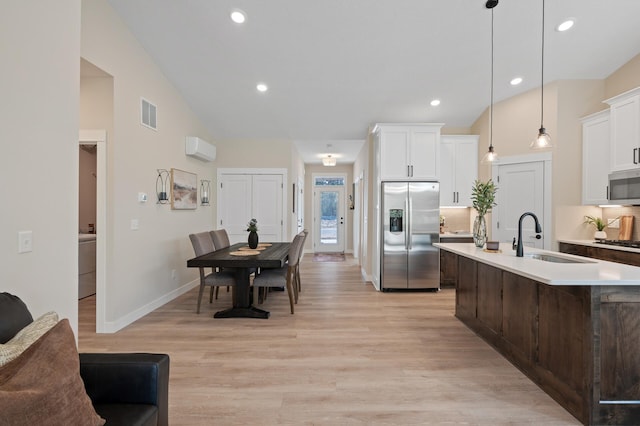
[[543, 140], [491, 155]]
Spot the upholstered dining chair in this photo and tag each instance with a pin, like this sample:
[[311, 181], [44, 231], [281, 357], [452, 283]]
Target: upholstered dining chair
[[304, 238], [220, 238], [285, 276], [203, 244]]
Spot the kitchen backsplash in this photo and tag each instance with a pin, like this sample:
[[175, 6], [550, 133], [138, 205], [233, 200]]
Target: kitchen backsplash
[[456, 219]]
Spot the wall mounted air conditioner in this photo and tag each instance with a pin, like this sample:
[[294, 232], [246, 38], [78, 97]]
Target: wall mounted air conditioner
[[196, 147]]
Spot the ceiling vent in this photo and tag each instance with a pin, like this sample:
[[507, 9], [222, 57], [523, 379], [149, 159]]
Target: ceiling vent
[[202, 150], [148, 113]]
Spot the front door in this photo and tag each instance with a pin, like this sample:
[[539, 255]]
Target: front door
[[329, 215], [520, 190]]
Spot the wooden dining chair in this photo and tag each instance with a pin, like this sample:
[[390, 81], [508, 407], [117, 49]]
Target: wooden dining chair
[[203, 244], [285, 276]]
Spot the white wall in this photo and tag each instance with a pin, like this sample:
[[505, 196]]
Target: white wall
[[140, 263], [39, 82]]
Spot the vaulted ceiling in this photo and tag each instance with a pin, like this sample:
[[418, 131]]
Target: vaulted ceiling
[[334, 67]]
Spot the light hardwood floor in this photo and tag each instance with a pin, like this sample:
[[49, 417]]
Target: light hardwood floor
[[349, 356]]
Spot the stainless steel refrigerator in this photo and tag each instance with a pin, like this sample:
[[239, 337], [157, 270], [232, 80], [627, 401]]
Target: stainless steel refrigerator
[[410, 226]]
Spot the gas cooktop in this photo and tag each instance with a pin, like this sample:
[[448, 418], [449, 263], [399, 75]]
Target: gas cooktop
[[622, 243]]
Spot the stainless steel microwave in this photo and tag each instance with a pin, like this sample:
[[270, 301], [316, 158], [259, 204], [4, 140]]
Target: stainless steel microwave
[[624, 187]]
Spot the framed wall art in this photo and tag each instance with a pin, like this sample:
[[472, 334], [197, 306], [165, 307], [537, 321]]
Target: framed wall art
[[184, 190]]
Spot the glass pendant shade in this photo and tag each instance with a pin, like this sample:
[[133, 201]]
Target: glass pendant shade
[[543, 140], [490, 157]]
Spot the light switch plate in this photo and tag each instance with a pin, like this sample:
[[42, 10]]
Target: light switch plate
[[134, 224], [142, 197], [25, 241], [613, 223]]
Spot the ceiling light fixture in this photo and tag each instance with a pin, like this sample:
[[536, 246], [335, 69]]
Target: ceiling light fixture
[[329, 161], [516, 81], [491, 155], [543, 140], [238, 16], [261, 87], [435, 102], [566, 25]]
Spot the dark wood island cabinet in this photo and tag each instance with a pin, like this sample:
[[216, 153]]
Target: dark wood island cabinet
[[579, 343]]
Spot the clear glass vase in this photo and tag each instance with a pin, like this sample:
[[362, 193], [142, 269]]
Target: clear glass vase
[[479, 231]]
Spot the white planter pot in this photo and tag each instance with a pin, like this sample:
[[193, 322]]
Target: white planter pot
[[600, 235]]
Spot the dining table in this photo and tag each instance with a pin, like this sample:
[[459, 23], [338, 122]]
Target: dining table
[[267, 255]]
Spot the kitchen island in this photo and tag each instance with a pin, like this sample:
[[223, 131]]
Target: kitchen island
[[572, 328]]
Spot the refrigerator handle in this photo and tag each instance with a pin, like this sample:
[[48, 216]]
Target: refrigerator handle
[[409, 224]]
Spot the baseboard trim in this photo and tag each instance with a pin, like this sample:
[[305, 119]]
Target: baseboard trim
[[122, 322]]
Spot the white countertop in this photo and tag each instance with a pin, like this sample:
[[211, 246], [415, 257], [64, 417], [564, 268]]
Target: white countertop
[[592, 243], [596, 272]]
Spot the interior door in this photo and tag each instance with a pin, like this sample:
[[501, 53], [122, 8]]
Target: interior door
[[520, 189], [329, 219], [299, 200], [267, 207], [246, 196]]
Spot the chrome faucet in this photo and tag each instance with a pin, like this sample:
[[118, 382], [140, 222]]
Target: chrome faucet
[[519, 250]]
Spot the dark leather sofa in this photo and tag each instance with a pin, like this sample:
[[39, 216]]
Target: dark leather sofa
[[125, 388]]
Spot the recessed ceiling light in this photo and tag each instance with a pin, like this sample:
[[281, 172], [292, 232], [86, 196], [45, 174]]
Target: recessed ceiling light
[[238, 16], [516, 81], [262, 87], [435, 102], [567, 24]]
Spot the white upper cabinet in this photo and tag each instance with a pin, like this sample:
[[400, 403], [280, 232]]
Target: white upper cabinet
[[625, 130], [596, 148], [408, 151], [458, 169]]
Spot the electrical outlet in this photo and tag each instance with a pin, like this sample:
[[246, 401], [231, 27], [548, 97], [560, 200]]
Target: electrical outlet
[[134, 224], [613, 223], [173, 274]]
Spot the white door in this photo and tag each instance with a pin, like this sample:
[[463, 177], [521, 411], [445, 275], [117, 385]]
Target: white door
[[520, 190], [329, 219], [299, 201], [267, 207], [243, 197]]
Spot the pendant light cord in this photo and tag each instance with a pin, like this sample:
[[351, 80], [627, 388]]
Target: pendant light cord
[[542, 74], [491, 108]]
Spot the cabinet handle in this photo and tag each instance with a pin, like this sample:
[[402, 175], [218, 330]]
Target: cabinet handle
[[608, 193], [409, 170], [412, 171], [634, 155]]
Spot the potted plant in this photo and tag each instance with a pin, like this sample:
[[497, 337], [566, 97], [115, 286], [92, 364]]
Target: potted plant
[[252, 227], [599, 224], [483, 195]]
